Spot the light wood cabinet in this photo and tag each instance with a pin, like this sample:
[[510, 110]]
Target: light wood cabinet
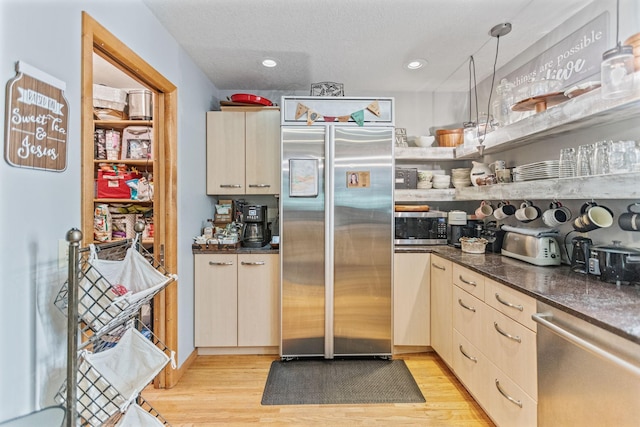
[[494, 346], [243, 152], [411, 297], [441, 309], [216, 300], [237, 300]]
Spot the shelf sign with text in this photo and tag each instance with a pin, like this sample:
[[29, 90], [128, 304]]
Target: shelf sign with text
[[573, 59], [36, 121]]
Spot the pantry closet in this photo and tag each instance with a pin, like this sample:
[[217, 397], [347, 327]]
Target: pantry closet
[[96, 40]]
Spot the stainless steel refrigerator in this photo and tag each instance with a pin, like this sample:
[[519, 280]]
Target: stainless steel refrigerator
[[336, 227]]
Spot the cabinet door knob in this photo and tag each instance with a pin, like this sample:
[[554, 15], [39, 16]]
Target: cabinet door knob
[[505, 334], [463, 305], [464, 353], [509, 398], [508, 304], [221, 263], [439, 267], [468, 282], [230, 186], [259, 185], [252, 263]]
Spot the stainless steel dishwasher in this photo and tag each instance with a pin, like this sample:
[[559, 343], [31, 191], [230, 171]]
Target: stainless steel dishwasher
[[586, 376]]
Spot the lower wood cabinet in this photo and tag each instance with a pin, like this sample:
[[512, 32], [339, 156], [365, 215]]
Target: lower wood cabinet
[[237, 300], [493, 345], [441, 308], [411, 296]]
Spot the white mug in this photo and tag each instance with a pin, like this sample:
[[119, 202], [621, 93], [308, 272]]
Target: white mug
[[503, 211], [498, 165], [484, 210], [555, 217], [527, 212]]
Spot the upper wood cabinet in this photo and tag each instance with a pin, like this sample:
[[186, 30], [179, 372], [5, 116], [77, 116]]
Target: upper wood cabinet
[[243, 152]]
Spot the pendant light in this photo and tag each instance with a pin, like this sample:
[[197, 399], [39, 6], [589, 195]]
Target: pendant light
[[616, 69], [496, 31]]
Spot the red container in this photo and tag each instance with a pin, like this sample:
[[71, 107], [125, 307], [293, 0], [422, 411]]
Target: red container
[[111, 185]]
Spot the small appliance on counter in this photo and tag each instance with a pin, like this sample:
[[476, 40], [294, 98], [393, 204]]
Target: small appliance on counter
[[580, 254], [536, 249], [494, 236], [615, 263], [420, 228], [457, 221], [256, 230]]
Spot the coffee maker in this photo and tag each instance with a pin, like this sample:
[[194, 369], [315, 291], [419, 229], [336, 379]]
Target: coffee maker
[[457, 222], [256, 232], [580, 254]]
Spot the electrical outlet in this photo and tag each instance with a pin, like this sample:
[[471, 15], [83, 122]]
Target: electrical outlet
[[63, 253]]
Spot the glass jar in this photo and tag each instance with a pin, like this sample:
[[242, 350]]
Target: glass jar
[[470, 134], [503, 102], [617, 72]]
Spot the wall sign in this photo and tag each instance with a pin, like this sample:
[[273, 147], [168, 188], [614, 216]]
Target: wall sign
[[36, 120], [573, 59]]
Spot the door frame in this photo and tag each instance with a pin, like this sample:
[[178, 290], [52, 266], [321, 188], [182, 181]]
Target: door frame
[[96, 38]]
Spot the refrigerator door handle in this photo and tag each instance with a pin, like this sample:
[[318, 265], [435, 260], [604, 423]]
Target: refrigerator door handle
[[329, 147]]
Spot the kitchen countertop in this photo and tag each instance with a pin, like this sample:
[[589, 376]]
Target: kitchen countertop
[[212, 249], [611, 307]]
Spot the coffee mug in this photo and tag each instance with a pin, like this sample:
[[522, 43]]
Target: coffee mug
[[593, 217], [556, 214], [630, 221], [498, 165], [528, 212], [484, 210], [504, 210]]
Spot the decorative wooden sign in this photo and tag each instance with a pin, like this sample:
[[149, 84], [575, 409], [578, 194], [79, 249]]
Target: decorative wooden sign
[[36, 121]]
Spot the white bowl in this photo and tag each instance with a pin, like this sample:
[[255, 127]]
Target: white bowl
[[425, 141]]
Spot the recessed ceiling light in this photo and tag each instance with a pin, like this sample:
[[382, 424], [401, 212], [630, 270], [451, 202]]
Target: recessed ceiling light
[[415, 64], [269, 63]]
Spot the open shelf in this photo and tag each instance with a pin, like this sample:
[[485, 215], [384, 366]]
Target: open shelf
[[581, 112]]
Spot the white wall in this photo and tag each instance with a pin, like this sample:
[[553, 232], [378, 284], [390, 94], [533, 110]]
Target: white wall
[[38, 207]]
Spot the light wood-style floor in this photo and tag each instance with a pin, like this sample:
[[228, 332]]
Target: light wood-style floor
[[227, 390]]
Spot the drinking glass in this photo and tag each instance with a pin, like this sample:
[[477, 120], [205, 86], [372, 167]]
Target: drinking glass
[[567, 164], [618, 158], [633, 156], [583, 160], [600, 165]]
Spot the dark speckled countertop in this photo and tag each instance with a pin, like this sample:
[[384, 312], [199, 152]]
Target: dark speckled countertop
[[611, 307], [213, 250]]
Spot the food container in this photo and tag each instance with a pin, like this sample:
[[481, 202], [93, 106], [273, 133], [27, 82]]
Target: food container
[[109, 97], [140, 105], [449, 137], [473, 245], [634, 42]]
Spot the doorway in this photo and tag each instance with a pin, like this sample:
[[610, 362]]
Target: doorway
[[96, 40]]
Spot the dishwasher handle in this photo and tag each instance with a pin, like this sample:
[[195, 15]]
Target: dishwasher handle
[[541, 319]]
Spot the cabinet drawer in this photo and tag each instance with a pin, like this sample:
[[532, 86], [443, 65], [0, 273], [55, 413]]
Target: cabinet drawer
[[468, 316], [468, 280], [512, 347], [472, 368], [514, 304], [509, 405]]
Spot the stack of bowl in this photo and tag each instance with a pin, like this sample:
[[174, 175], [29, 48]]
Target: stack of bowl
[[424, 179], [441, 181], [634, 42], [461, 177]]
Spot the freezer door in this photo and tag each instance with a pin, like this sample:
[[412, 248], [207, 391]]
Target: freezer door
[[302, 242], [362, 200]]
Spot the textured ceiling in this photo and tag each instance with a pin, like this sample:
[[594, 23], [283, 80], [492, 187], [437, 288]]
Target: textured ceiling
[[361, 43]]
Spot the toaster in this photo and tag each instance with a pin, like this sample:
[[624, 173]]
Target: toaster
[[537, 250]]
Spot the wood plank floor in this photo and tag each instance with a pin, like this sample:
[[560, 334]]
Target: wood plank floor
[[227, 390]]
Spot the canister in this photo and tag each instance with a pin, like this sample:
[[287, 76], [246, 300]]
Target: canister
[[140, 105]]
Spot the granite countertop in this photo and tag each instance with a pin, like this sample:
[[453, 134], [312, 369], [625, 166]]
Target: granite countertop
[[228, 249], [611, 307]]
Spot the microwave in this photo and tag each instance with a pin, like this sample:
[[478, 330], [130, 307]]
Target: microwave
[[420, 228]]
